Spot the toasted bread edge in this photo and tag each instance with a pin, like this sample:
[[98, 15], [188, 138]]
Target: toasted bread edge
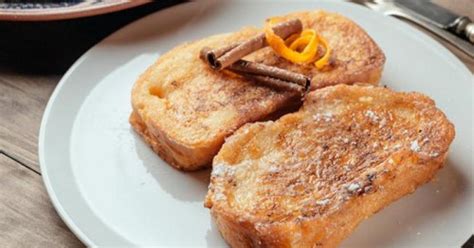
[[331, 230]]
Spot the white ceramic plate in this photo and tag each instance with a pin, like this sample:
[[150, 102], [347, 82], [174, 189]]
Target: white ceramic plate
[[111, 189]]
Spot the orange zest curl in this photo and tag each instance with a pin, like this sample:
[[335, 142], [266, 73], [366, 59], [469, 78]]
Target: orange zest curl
[[298, 48], [324, 60]]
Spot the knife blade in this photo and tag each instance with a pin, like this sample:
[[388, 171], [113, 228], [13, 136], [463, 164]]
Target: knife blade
[[391, 8], [461, 26]]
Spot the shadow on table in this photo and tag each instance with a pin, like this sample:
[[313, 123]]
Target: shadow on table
[[51, 47]]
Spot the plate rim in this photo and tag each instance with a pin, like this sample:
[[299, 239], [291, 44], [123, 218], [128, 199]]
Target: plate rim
[[70, 223]]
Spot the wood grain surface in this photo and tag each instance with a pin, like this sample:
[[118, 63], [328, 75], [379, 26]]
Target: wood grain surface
[[27, 219], [23, 99], [33, 57]]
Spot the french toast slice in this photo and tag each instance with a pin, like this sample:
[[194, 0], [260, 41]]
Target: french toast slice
[[184, 109], [309, 178]]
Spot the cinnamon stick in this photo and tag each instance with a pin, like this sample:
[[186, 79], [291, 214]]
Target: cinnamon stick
[[221, 58], [275, 83], [230, 57], [210, 55], [248, 67]]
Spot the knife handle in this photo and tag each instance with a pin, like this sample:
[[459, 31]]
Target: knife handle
[[463, 26], [470, 32]]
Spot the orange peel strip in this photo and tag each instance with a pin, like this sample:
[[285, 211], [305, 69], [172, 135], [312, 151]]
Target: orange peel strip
[[278, 44], [323, 61], [307, 41]]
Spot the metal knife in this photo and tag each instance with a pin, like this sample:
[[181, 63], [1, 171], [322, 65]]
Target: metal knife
[[457, 30], [441, 17]]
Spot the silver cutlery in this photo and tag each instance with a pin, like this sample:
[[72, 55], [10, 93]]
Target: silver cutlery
[[455, 29]]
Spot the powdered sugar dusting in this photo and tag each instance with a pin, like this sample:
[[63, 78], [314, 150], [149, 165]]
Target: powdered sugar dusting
[[434, 154], [353, 187], [219, 170], [372, 116], [273, 169], [325, 116], [219, 196], [415, 146], [322, 202]]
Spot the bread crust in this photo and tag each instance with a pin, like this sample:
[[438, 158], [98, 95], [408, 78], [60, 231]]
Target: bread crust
[[185, 110], [309, 178]]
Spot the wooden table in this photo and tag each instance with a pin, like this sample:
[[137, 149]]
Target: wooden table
[[33, 57]]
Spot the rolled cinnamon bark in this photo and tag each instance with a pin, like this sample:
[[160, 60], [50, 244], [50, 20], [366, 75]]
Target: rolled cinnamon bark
[[210, 55], [269, 75], [275, 83], [230, 57], [221, 58], [254, 68]]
